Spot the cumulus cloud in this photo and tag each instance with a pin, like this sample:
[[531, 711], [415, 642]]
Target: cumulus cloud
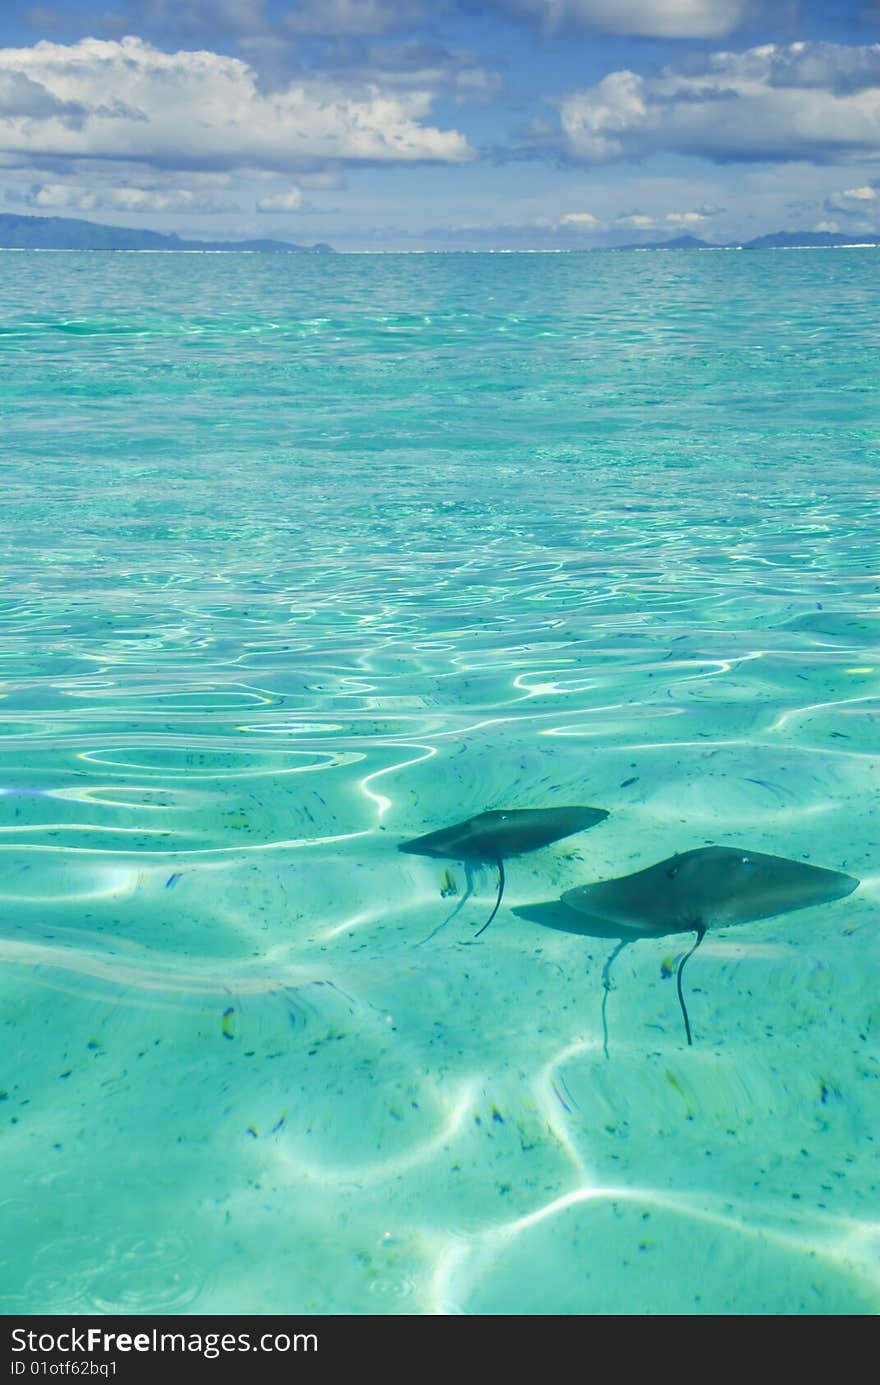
[[647, 18], [684, 218], [858, 208], [195, 110], [580, 221], [20, 96], [588, 223], [572, 230], [53, 198], [854, 201], [669, 221], [813, 102], [289, 201]]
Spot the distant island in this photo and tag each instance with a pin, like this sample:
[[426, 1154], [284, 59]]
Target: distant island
[[776, 240], [68, 233]]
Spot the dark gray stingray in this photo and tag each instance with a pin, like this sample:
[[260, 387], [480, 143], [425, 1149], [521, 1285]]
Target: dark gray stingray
[[711, 887], [491, 838]]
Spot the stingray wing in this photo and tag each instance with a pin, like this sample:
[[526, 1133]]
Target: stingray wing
[[500, 833], [707, 886]]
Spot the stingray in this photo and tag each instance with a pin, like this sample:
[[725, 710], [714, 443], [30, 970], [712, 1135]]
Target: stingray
[[490, 838], [708, 887]]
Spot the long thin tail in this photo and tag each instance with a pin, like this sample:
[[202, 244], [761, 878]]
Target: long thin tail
[[606, 987], [497, 902], [701, 933], [469, 888]]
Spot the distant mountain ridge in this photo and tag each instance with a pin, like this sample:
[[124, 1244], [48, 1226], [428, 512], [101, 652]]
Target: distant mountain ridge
[[68, 233], [776, 240], [805, 240]]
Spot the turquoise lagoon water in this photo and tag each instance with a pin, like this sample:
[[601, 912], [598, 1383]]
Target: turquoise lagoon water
[[306, 556]]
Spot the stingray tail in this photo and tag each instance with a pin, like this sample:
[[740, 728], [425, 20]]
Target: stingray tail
[[606, 987], [497, 901], [701, 933], [469, 889]]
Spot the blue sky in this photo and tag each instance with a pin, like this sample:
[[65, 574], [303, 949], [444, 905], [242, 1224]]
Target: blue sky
[[401, 124]]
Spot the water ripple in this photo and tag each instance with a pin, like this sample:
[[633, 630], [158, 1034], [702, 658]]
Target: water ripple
[[297, 567]]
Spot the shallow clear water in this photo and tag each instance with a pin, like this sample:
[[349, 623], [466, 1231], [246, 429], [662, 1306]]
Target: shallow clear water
[[307, 556]]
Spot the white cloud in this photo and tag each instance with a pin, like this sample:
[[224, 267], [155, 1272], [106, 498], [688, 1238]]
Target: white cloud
[[857, 205], [74, 197], [648, 18], [813, 102], [289, 201], [635, 221], [134, 199], [581, 221], [134, 102], [860, 198], [19, 96], [665, 221], [58, 197]]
